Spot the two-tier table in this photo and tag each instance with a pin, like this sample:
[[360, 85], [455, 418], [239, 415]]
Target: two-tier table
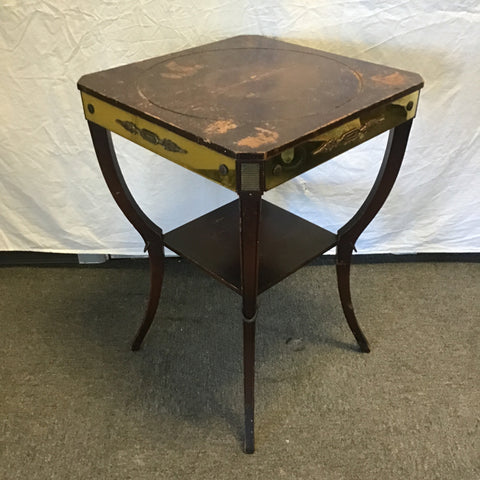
[[250, 113]]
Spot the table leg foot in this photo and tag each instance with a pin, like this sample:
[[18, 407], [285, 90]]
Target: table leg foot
[[343, 281], [249, 383], [156, 256]]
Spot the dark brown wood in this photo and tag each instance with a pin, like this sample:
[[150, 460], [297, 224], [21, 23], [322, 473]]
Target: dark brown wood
[[287, 242], [349, 233], [156, 257], [151, 233], [249, 96], [250, 214], [252, 99], [249, 383], [250, 211]]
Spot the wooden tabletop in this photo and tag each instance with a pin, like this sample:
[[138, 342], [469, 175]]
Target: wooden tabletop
[[249, 96]]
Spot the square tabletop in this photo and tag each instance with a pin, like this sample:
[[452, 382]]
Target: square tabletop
[[249, 95]]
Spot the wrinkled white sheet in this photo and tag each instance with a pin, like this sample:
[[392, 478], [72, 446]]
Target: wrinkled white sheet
[[54, 199]]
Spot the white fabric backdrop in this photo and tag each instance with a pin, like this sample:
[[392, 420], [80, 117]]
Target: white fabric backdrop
[[54, 199]]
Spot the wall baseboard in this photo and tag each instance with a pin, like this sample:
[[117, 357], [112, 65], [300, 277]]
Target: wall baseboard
[[37, 258], [40, 258]]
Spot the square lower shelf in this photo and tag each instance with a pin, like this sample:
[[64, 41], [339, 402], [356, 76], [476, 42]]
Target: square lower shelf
[[286, 243]]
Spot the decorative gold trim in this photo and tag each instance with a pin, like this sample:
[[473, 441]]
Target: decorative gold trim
[[174, 147], [222, 169], [337, 140], [151, 137]]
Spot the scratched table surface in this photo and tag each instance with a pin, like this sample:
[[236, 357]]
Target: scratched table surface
[[249, 96]]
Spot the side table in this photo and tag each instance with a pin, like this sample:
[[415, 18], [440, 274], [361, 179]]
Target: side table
[[250, 113]]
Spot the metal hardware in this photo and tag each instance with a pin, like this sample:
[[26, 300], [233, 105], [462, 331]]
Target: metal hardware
[[129, 126], [91, 108], [287, 156], [151, 137], [300, 155], [250, 320], [250, 177], [223, 169], [277, 170], [171, 146]]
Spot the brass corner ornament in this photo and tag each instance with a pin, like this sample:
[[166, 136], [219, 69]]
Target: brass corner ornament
[[151, 137]]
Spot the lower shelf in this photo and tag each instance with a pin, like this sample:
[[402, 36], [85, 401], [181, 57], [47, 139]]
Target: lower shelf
[[286, 243]]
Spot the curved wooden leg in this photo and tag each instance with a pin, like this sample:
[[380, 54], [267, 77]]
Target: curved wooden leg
[[151, 233], [349, 233], [344, 254], [156, 257]]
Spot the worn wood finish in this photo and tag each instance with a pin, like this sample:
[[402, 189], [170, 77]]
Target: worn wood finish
[[250, 113], [249, 96]]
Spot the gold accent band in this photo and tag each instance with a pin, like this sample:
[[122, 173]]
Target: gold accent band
[[184, 152], [339, 139], [222, 169]]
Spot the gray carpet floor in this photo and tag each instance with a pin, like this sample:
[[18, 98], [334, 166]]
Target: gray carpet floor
[[76, 403]]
